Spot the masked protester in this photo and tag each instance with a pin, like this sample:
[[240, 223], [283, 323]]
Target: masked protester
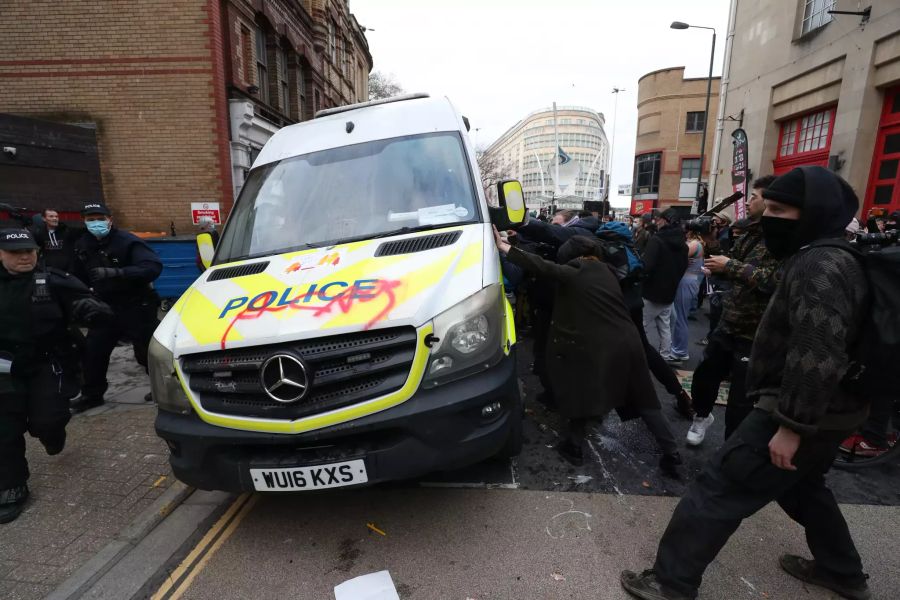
[[590, 379], [783, 449], [120, 268], [38, 360]]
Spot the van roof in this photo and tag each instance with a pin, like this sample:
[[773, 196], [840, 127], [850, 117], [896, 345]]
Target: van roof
[[412, 115]]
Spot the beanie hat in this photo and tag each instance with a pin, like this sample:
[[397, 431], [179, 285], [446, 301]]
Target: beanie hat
[[788, 189], [576, 247], [671, 215]]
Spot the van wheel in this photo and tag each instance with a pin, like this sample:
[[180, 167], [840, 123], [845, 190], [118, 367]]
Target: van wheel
[[514, 441]]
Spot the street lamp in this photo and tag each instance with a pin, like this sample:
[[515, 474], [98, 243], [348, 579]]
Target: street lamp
[[712, 54]]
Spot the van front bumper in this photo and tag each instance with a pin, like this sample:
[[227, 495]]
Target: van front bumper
[[436, 429]]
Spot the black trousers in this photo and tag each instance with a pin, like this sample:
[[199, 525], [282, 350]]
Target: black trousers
[[725, 356], [739, 481], [35, 405], [136, 322], [658, 366]]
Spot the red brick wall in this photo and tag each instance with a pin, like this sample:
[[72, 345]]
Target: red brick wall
[[150, 74]]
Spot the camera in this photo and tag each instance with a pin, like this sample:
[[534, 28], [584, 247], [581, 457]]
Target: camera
[[701, 225]]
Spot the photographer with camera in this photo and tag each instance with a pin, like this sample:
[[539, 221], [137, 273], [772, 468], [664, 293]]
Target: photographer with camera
[[751, 273]]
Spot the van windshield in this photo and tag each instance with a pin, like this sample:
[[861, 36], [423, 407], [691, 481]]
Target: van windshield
[[351, 193]]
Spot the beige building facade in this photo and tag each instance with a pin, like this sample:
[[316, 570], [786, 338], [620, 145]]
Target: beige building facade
[[812, 88], [671, 117], [528, 152]]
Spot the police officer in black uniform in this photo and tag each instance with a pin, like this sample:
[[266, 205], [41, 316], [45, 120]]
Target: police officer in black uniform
[[38, 360], [120, 268]]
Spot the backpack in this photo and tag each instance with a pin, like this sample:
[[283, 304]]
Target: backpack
[[619, 253], [873, 370]]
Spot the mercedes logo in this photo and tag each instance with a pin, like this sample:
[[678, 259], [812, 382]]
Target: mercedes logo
[[284, 378]]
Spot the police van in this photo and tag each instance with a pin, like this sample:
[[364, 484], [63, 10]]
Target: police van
[[351, 327]]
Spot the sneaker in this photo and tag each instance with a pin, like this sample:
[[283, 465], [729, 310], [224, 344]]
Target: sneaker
[[858, 445], [805, 570], [684, 404], [672, 359], [646, 587], [697, 432], [83, 403], [703, 342]]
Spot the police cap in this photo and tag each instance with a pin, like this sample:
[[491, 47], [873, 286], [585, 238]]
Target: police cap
[[16, 239], [94, 208]]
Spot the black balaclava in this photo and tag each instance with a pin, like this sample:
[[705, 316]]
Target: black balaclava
[[576, 247], [827, 205]]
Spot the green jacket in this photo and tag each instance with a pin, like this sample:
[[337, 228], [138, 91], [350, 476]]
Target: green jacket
[[754, 275]]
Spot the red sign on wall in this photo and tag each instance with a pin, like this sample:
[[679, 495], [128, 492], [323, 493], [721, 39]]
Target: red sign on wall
[[206, 209]]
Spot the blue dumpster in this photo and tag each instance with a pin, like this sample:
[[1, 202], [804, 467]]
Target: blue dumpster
[[179, 259]]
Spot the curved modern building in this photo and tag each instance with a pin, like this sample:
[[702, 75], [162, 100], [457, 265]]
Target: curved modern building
[[529, 152]]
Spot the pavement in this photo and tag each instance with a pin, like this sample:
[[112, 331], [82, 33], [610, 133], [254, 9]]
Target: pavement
[[113, 469], [107, 520]]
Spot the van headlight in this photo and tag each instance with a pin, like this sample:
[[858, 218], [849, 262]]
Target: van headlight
[[167, 390], [468, 337]]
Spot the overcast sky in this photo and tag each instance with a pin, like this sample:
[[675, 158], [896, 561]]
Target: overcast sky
[[498, 60]]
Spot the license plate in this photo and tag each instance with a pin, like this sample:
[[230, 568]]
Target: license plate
[[319, 477]]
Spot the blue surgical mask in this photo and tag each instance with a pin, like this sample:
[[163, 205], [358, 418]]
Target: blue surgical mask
[[98, 228]]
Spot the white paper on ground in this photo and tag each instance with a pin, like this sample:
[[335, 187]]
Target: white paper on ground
[[374, 586]]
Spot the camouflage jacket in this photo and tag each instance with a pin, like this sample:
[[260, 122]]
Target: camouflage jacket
[[754, 275]]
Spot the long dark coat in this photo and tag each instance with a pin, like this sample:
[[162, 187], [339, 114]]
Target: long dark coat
[[595, 358]]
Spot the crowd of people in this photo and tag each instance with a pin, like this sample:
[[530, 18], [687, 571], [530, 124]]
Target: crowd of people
[[54, 281], [609, 303]]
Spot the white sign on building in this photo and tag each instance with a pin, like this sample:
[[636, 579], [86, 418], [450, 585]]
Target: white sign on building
[[625, 189]]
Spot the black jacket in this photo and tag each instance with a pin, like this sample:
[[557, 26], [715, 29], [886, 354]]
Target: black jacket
[[36, 309], [556, 235], [139, 265], [665, 261], [802, 347]]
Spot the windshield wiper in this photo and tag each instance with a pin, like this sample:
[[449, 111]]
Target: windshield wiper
[[392, 232]]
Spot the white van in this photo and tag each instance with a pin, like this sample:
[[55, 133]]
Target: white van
[[352, 327]]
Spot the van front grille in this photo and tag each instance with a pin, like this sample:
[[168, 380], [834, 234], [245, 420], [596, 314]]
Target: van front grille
[[343, 370]]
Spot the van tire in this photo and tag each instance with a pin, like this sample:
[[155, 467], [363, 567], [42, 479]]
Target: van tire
[[513, 445]]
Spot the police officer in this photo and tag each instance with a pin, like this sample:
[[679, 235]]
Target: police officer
[[38, 361], [120, 268]]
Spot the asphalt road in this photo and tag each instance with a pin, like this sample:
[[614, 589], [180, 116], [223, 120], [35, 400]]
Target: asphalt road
[[534, 527]]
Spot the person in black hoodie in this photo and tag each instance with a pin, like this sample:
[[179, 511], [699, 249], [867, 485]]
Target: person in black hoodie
[[665, 261], [783, 449], [55, 241]]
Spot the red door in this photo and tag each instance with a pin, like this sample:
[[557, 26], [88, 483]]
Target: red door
[[884, 181]]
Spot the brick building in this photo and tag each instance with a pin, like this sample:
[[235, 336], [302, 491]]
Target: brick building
[[181, 95], [670, 127]]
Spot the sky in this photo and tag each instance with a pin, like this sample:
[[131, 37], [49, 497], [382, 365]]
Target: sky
[[498, 60]]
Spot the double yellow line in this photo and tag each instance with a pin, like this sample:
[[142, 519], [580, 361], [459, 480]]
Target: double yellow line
[[181, 578]]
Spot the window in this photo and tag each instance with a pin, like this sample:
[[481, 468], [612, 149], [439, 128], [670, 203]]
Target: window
[[690, 169], [262, 65], [646, 173], [695, 121], [332, 42], [815, 15], [282, 69], [808, 133], [344, 56], [246, 57], [301, 90]]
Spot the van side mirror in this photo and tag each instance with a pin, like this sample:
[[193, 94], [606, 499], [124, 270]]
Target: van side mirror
[[511, 199], [206, 248]]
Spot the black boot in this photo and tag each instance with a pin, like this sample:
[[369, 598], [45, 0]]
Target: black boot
[[83, 403], [54, 445], [11, 503], [805, 570]]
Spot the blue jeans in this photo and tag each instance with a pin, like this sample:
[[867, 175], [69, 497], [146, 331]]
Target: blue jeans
[[688, 288]]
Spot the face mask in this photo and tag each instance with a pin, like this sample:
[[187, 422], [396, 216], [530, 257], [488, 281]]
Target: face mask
[[779, 235], [98, 228]]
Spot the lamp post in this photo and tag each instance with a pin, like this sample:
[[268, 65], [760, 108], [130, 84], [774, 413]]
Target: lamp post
[[712, 54], [612, 148]]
